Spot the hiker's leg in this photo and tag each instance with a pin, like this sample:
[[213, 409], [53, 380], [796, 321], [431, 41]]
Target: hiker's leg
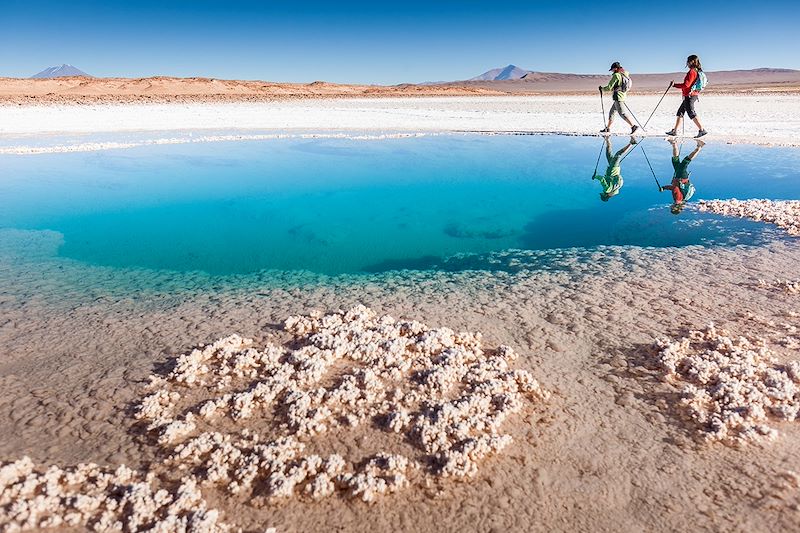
[[690, 101], [624, 114], [609, 156], [680, 113], [695, 151], [611, 115], [675, 152]]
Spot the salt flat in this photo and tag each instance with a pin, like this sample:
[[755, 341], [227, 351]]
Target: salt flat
[[764, 119]]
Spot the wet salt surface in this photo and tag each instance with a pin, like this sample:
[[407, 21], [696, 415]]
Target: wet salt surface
[[346, 206], [602, 450]]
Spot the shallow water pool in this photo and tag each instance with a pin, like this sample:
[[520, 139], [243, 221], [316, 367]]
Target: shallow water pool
[[334, 206]]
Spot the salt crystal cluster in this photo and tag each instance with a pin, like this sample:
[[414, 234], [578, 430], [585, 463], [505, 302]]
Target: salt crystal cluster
[[732, 387], [783, 213], [240, 418], [436, 388], [100, 500]]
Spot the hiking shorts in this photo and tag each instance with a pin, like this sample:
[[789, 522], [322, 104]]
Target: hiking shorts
[[687, 106], [617, 107], [681, 167]]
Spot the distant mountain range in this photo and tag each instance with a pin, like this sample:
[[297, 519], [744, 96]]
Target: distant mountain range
[[60, 71], [510, 72], [512, 79]]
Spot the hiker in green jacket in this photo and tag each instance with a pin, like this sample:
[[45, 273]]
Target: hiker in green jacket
[[619, 84], [612, 181]]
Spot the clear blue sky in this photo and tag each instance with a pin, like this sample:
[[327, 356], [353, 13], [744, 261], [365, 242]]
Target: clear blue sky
[[390, 42]]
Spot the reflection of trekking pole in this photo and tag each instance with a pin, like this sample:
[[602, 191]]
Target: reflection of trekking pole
[[634, 116], [658, 104], [603, 107], [597, 163], [651, 168]]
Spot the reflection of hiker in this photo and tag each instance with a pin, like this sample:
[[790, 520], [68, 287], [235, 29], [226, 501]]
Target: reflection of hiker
[[682, 189], [612, 179], [694, 82], [620, 84]]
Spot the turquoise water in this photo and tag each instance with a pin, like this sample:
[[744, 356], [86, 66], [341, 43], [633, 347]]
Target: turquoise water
[[334, 206]]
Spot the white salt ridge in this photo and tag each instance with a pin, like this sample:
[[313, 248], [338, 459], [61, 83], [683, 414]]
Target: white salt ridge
[[118, 145], [783, 213], [732, 387]]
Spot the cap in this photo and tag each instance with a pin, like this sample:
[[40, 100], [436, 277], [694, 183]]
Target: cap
[[614, 65]]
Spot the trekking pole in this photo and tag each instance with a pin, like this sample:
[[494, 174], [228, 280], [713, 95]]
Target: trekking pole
[[651, 168], [634, 116], [658, 104], [603, 107], [597, 163], [631, 151]]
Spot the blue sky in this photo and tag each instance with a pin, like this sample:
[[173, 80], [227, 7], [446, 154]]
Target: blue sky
[[390, 42]]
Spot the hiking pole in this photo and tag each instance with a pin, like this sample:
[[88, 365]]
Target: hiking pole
[[597, 163], [603, 107], [634, 116], [651, 168], [658, 104]]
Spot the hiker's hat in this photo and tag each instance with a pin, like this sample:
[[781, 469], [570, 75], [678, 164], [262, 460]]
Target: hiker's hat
[[614, 65]]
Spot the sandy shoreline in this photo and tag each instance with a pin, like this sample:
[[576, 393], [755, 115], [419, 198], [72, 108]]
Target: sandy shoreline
[[771, 120]]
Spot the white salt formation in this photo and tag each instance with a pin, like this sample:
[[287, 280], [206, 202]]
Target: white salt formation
[[99, 499], [436, 388], [239, 418], [787, 286], [732, 387], [783, 213]]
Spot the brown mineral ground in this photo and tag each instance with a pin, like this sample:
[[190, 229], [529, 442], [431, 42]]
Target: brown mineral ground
[[619, 445]]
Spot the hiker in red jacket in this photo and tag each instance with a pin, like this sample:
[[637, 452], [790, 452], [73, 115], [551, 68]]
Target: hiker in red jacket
[[693, 83]]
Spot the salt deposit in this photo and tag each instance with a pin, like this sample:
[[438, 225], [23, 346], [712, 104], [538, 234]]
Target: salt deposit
[[785, 285], [771, 124], [732, 387], [783, 213], [435, 388], [99, 499]]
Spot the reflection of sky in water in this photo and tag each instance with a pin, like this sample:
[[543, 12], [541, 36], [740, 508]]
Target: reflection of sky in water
[[334, 206]]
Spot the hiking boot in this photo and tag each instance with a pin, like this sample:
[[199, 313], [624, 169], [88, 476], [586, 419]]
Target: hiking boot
[[671, 133], [604, 130], [633, 129], [633, 140], [701, 133]]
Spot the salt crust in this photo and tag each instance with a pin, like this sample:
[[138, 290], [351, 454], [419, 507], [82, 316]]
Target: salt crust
[[783, 213], [732, 387], [433, 387]]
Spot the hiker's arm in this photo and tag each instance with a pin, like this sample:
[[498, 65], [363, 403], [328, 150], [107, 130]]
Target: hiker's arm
[[688, 81], [667, 187], [611, 83]]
